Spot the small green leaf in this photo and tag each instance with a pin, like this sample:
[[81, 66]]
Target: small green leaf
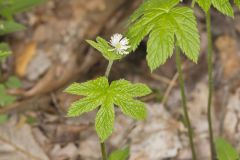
[[105, 120], [225, 151], [9, 27], [121, 154], [13, 82], [3, 118], [223, 6], [103, 47]]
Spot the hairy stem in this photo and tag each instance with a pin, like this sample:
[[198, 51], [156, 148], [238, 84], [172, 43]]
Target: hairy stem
[[184, 103], [210, 84], [103, 147]]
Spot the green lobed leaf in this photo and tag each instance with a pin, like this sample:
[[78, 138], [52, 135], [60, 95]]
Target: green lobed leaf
[[163, 21], [105, 120], [121, 154], [99, 93], [103, 47], [223, 6], [204, 4], [225, 151]]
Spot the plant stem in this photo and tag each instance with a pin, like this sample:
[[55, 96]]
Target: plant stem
[[193, 3], [210, 84], [110, 63], [184, 103], [102, 144], [103, 150]]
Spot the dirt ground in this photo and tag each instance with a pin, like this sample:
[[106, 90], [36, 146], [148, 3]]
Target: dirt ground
[[52, 53]]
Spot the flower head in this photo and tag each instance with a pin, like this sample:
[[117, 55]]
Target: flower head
[[119, 44]]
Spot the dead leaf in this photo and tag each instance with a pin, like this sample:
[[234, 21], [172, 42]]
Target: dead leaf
[[19, 144], [24, 58]]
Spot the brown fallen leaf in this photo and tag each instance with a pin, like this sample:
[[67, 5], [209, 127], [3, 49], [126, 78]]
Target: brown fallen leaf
[[24, 58], [19, 143]]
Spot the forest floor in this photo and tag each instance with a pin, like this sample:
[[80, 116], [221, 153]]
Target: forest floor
[[52, 53]]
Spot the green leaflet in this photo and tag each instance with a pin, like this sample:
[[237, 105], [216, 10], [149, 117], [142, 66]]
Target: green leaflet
[[223, 6], [103, 47], [237, 3], [99, 93], [105, 119], [204, 4], [225, 151], [163, 21], [121, 154]]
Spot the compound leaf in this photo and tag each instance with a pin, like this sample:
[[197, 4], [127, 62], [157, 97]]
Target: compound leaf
[[100, 94], [163, 21]]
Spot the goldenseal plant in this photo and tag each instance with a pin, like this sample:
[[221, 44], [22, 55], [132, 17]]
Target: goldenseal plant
[[169, 27], [224, 7], [103, 95]]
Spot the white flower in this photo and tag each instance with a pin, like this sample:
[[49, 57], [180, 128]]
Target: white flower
[[119, 44]]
